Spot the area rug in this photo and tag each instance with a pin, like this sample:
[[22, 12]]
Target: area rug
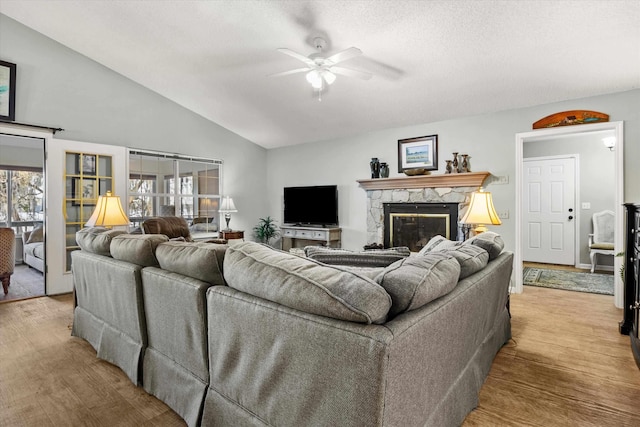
[[25, 283], [568, 280]]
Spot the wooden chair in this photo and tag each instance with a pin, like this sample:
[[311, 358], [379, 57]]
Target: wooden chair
[[602, 239], [7, 256]]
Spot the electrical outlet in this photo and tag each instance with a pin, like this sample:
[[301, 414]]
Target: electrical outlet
[[586, 205], [503, 214], [504, 179]]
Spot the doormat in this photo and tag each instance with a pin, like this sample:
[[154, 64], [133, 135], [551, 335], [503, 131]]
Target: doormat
[[568, 280]]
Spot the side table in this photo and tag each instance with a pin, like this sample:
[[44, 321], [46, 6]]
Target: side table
[[232, 234]]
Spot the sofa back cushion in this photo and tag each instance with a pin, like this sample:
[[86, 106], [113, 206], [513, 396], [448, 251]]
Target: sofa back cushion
[[470, 257], [415, 281], [97, 240], [202, 261], [304, 284], [138, 249], [368, 258], [489, 241]]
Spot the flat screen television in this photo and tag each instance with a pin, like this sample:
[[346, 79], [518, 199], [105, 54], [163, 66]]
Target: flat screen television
[[316, 205]]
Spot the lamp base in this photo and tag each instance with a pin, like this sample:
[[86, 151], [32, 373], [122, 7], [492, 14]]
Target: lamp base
[[480, 228], [227, 218]]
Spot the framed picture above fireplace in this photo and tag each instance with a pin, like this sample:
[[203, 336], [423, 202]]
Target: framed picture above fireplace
[[418, 153]]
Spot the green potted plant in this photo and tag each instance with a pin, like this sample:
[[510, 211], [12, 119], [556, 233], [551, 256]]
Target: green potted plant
[[266, 230]]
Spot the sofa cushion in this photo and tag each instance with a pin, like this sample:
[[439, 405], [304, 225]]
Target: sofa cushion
[[304, 284], [368, 258], [489, 241], [36, 235], [137, 248], [432, 243], [35, 249], [202, 261], [470, 257], [97, 240], [417, 280]]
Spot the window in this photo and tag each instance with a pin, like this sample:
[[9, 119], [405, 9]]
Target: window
[[162, 184], [21, 198]]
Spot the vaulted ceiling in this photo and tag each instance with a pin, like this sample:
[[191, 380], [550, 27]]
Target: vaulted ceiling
[[431, 60]]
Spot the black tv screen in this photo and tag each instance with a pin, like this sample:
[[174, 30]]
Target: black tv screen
[[317, 205]]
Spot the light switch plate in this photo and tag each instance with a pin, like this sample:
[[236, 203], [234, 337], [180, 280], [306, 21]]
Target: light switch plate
[[503, 214], [586, 205], [504, 179]]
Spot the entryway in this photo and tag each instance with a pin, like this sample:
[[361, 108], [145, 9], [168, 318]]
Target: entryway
[[561, 137]]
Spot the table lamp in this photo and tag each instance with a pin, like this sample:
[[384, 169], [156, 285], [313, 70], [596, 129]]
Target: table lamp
[[481, 212], [227, 207]]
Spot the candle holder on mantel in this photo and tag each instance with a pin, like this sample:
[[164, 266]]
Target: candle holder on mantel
[[454, 165]]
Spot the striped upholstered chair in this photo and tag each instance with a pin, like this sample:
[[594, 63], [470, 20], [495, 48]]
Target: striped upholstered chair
[[7, 256]]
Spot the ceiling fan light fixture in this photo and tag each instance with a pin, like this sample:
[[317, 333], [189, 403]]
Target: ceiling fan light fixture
[[315, 79], [329, 77]]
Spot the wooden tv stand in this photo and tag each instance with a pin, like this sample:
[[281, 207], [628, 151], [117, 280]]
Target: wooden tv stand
[[296, 237]]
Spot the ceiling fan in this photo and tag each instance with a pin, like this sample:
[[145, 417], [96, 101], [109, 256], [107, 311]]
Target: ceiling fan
[[321, 70]]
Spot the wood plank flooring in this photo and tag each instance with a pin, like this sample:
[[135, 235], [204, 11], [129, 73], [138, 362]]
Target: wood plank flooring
[[566, 366]]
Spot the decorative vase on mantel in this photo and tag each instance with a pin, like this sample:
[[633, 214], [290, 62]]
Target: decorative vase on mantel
[[384, 170], [449, 167], [465, 163], [375, 167], [454, 165]]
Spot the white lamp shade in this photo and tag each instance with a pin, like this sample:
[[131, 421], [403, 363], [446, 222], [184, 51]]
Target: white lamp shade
[[108, 212], [227, 205], [481, 210]]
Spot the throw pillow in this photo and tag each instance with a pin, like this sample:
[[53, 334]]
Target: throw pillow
[[304, 284], [368, 258], [489, 241], [36, 235], [416, 281]]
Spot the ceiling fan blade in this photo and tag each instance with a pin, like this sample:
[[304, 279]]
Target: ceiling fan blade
[[351, 73], [286, 73], [352, 52], [296, 55]]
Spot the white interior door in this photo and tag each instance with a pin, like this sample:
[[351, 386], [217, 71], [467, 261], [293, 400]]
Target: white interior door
[[549, 199], [59, 280]]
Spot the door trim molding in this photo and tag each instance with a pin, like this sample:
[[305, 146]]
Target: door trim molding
[[541, 134]]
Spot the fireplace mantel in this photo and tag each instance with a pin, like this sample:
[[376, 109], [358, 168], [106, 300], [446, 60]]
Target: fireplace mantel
[[469, 179]]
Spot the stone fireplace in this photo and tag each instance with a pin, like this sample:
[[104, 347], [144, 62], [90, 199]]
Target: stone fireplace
[[453, 191]]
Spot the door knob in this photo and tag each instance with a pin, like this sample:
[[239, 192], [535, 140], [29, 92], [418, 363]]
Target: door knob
[[570, 209], [570, 217]]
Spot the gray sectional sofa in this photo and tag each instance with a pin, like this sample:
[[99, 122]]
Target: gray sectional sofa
[[248, 335]]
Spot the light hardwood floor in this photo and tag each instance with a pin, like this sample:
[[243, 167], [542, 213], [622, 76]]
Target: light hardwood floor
[[566, 366]]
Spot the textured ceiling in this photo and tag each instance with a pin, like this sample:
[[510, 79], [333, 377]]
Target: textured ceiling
[[431, 60]]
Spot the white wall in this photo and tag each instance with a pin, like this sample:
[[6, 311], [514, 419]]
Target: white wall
[[58, 87], [488, 139], [597, 178]]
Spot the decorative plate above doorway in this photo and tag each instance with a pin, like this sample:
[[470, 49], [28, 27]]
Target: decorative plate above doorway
[[569, 118]]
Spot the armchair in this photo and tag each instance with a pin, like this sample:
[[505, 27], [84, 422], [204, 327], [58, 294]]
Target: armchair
[[602, 239], [7, 256]]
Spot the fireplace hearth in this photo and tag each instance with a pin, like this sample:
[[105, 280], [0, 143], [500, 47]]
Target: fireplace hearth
[[414, 224]]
